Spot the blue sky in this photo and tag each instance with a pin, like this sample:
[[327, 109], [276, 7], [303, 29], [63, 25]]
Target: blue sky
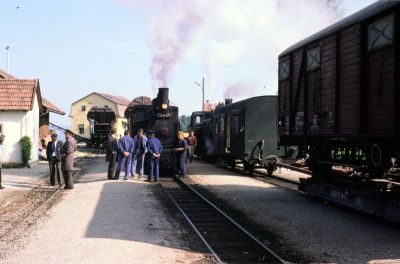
[[78, 47]]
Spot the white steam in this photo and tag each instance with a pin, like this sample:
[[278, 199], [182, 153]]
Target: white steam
[[238, 41]]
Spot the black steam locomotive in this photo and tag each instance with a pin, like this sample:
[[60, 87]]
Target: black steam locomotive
[[162, 118]]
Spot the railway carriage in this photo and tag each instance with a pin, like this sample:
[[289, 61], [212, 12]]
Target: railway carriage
[[241, 132], [339, 104]]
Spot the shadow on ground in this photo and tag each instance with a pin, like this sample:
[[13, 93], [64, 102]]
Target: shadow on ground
[[137, 211]]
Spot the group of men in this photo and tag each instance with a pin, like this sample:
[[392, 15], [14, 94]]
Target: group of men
[[61, 160], [131, 152]]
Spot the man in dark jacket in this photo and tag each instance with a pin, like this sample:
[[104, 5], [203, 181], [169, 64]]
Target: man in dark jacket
[[53, 153], [111, 153], [67, 160], [181, 151]]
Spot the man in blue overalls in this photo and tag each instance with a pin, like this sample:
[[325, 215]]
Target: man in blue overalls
[[140, 149], [154, 149], [181, 151], [125, 148]]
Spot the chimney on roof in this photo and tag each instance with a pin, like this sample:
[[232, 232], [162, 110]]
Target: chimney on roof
[[228, 101]]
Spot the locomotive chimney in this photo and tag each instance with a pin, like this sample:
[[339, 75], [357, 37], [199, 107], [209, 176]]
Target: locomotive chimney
[[228, 101], [163, 95], [162, 101]]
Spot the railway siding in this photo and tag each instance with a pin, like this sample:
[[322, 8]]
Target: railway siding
[[297, 227]]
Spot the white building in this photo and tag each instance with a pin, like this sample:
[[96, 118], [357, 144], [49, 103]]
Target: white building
[[20, 108]]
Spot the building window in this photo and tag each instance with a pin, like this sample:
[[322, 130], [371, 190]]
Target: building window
[[381, 33], [313, 59], [198, 120], [216, 126], [83, 108], [105, 106], [284, 70], [81, 128]]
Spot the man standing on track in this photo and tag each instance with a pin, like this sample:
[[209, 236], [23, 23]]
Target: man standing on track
[[140, 149], [154, 149], [125, 149], [111, 153], [192, 144], [181, 151], [53, 153], [67, 159]]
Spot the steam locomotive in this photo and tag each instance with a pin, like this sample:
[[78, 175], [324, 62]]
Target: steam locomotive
[[162, 118]]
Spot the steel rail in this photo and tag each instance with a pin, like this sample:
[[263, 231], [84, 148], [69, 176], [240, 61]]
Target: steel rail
[[194, 228], [37, 208], [248, 234]]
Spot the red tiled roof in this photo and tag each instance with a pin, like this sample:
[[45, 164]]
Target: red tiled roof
[[18, 94], [51, 107], [116, 99], [7, 76]]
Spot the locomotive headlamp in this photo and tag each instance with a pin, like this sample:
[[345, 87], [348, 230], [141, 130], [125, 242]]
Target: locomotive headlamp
[[164, 106]]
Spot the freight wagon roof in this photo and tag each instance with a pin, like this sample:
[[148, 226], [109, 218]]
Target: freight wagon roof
[[355, 18], [241, 101]]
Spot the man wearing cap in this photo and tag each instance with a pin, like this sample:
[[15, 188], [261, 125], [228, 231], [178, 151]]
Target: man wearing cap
[[67, 160], [53, 153], [111, 153], [125, 149], [154, 149]]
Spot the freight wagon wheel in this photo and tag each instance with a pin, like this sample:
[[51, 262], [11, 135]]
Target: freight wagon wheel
[[379, 161], [376, 155]]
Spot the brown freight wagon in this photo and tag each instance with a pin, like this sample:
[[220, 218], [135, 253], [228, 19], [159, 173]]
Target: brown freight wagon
[[339, 100]]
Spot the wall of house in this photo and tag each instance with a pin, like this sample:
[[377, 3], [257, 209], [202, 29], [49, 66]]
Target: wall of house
[[80, 117], [121, 125], [44, 130], [17, 124]]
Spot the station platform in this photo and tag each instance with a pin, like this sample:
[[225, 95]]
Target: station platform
[[102, 221]]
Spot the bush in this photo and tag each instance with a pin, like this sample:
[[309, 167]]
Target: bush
[[26, 147]]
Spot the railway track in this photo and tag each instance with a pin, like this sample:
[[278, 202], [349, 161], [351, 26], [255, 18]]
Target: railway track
[[18, 213], [224, 237]]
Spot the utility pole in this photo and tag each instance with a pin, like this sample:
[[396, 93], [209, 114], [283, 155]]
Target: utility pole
[[202, 89], [8, 59]]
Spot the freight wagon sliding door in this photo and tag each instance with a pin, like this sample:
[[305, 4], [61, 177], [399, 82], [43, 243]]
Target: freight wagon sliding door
[[380, 85], [312, 92]]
